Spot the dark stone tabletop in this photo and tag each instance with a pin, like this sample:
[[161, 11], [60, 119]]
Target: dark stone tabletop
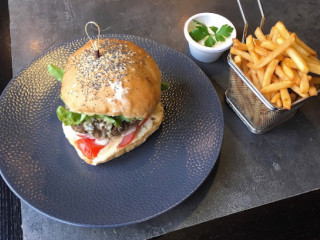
[[252, 170]]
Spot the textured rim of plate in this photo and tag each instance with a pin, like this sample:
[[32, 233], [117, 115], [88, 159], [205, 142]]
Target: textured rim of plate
[[116, 36]]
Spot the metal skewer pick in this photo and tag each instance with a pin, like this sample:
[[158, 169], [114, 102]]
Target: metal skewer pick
[[245, 29], [95, 44]]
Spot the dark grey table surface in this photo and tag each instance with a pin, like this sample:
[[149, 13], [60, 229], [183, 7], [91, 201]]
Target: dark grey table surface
[[252, 170]]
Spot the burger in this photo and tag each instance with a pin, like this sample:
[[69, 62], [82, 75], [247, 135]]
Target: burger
[[111, 97]]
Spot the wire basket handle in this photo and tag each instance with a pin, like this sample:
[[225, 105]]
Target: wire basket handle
[[245, 28]]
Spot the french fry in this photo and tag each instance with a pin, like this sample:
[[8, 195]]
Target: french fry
[[282, 30], [298, 60], [281, 74], [269, 45], [279, 50], [313, 91], [259, 34], [256, 42], [237, 60], [250, 65], [275, 35], [304, 83], [277, 62], [276, 86], [309, 78], [296, 89], [249, 43], [251, 46], [306, 47], [309, 60], [314, 59], [290, 63], [279, 103], [297, 79], [271, 34], [260, 73], [288, 71], [255, 56], [285, 98], [269, 71], [239, 45], [300, 49], [280, 57], [241, 53], [275, 98], [314, 68], [255, 79], [267, 37], [245, 68], [267, 95], [261, 51]]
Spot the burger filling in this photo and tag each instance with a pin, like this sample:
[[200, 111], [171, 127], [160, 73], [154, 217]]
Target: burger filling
[[101, 128], [97, 126]]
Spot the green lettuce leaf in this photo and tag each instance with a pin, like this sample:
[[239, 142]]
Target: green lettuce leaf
[[56, 72], [164, 86], [120, 119], [70, 118], [115, 120]]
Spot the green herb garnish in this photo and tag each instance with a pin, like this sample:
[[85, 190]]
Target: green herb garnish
[[210, 41], [56, 72], [219, 35], [200, 32]]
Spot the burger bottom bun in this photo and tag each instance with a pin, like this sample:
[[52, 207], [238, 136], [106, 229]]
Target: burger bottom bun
[[111, 150]]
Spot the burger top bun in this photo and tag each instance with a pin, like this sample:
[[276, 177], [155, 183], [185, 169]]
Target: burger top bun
[[124, 80]]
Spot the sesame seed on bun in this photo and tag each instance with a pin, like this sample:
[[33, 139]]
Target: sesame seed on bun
[[124, 80]]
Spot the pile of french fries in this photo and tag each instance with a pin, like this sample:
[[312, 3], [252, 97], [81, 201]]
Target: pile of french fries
[[278, 65]]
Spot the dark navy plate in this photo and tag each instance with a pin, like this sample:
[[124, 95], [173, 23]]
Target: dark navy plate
[[44, 170]]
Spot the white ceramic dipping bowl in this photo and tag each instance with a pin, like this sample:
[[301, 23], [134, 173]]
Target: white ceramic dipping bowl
[[203, 53]]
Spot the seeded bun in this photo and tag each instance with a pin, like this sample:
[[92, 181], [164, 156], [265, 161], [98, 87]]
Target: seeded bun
[[111, 150], [125, 80]]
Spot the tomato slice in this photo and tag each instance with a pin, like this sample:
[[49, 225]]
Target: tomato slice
[[127, 138], [88, 147]]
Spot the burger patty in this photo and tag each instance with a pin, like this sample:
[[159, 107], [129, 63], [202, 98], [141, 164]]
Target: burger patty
[[99, 128]]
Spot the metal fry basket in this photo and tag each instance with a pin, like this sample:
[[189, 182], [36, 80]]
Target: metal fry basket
[[257, 113]]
